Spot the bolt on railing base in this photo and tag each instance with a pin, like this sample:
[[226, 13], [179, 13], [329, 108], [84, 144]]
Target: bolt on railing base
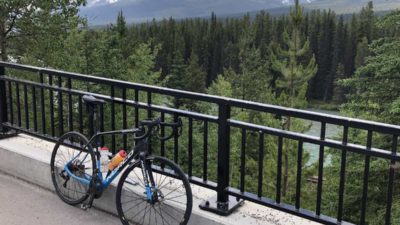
[[8, 134], [221, 208]]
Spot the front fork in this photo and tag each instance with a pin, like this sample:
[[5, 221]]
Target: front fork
[[148, 178]]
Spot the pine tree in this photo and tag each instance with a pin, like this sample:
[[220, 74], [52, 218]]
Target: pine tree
[[351, 47], [338, 91], [322, 80], [120, 27], [337, 60], [252, 79], [362, 52], [367, 23], [294, 75], [194, 76]]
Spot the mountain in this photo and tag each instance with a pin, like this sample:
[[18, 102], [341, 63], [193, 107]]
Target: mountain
[[351, 6], [100, 12]]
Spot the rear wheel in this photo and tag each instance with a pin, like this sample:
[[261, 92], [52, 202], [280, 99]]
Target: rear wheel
[[171, 199], [72, 149]]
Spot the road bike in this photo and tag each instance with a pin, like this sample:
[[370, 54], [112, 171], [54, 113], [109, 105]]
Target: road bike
[[151, 189]]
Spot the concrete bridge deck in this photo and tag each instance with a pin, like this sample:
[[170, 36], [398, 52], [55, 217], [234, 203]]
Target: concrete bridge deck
[[23, 203]]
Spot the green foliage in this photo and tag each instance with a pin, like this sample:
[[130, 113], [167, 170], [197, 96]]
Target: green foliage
[[252, 80], [221, 86], [390, 24], [28, 22], [373, 95], [141, 65], [374, 86], [362, 52]]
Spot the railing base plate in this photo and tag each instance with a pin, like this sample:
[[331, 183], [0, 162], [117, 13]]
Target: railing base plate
[[221, 208]]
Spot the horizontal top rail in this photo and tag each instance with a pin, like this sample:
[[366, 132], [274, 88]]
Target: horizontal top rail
[[267, 108], [117, 100]]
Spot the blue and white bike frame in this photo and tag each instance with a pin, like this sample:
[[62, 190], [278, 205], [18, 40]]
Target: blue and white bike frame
[[103, 183]]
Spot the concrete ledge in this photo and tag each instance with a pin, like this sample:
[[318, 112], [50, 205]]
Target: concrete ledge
[[28, 158]]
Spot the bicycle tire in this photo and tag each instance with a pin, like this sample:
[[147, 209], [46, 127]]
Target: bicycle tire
[[70, 147], [177, 209]]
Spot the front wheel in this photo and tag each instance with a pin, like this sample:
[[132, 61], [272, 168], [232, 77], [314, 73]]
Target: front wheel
[[168, 202]]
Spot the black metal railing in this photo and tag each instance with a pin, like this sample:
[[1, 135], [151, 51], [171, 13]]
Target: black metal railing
[[46, 103]]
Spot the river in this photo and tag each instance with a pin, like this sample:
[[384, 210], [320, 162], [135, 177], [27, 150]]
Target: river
[[331, 132]]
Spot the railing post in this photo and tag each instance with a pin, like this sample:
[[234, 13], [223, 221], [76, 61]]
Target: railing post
[[3, 101], [223, 204], [223, 152]]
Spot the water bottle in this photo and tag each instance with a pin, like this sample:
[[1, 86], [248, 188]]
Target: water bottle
[[116, 160], [104, 158]]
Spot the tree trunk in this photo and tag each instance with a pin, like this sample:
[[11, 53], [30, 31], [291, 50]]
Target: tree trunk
[[3, 42], [3, 48]]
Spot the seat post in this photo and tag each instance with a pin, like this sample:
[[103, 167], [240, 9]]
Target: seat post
[[93, 123]]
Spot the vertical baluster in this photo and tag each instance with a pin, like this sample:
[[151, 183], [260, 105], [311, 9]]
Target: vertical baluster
[[80, 110], [190, 146], [60, 109], [70, 106], [136, 108], [11, 104], [162, 135], [243, 160], [113, 146], [365, 183], [205, 151], [18, 105], [34, 109], [279, 171], [320, 169], [124, 118], [260, 164], [42, 105], [102, 123], [149, 113], [26, 109], [299, 170], [53, 132], [389, 198], [3, 101], [176, 144], [342, 174]]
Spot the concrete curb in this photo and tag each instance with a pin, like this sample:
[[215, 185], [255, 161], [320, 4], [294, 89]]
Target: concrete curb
[[28, 158], [36, 170]]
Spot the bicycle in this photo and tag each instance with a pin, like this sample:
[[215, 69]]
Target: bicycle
[[152, 188]]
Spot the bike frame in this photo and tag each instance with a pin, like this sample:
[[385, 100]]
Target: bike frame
[[140, 147], [140, 152]]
